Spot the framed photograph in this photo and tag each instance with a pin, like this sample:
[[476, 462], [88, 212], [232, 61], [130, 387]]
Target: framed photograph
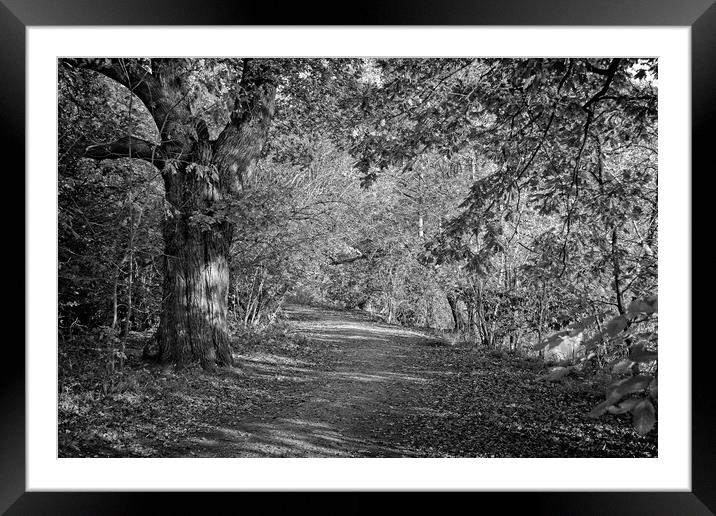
[[427, 202]]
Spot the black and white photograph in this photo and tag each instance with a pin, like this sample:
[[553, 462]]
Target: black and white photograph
[[357, 257]]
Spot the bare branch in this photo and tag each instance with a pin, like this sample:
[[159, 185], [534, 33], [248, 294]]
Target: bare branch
[[352, 259], [610, 72], [139, 81], [126, 147]]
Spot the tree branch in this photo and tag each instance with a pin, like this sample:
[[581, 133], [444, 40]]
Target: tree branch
[[610, 72], [352, 259], [138, 80], [595, 69], [372, 255], [239, 144], [126, 147]]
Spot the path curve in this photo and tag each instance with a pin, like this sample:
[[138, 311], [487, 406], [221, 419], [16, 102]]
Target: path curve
[[362, 384], [355, 387]]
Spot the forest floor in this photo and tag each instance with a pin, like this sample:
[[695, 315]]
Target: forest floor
[[331, 383]]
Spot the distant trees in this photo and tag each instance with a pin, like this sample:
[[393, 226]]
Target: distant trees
[[565, 193], [559, 228]]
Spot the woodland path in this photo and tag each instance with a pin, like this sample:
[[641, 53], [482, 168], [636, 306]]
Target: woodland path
[[367, 379], [368, 389]]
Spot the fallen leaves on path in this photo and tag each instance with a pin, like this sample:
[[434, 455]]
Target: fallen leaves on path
[[337, 384]]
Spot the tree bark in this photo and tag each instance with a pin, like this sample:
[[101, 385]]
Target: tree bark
[[193, 325], [471, 314], [200, 179], [459, 322]]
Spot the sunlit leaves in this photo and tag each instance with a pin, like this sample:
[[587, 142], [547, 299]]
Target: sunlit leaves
[[643, 416], [647, 305], [639, 353], [624, 407], [615, 326], [628, 385], [552, 341], [654, 389], [622, 366]]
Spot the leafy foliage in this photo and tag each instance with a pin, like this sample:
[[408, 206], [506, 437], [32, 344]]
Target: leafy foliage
[[509, 202]]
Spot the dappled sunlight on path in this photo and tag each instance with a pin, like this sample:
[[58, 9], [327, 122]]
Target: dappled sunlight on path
[[358, 384], [355, 387]]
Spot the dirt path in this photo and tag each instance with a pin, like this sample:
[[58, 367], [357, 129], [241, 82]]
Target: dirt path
[[337, 384], [340, 406], [359, 388]]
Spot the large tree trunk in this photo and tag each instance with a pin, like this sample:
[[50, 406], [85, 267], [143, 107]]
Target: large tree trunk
[[193, 325], [198, 234], [201, 177]]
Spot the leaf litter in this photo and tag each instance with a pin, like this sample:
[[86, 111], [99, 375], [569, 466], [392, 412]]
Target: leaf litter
[[330, 383]]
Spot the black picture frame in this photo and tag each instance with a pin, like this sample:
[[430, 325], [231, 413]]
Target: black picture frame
[[17, 15]]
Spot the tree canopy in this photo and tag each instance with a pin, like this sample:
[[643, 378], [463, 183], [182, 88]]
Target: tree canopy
[[512, 202]]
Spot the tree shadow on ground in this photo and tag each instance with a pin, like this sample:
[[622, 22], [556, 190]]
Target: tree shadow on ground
[[289, 437]]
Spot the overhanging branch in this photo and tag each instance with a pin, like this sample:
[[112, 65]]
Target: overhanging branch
[[126, 147], [138, 80], [610, 72]]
